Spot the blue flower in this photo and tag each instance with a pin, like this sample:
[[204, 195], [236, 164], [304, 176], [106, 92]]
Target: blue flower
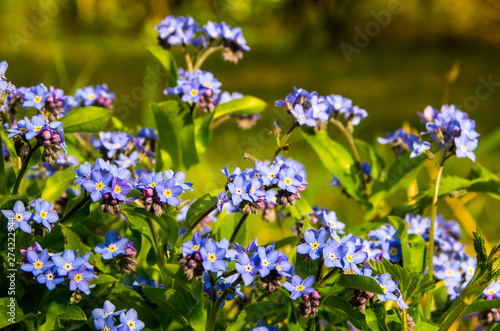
[[114, 246], [150, 180], [269, 174], [213, 256], [35, 126], [261, 326], [82, 173], [98, 185], [127, 161], [288, 181], [168, 192], [119, 189], [180, 180], [238, 189], [44, 213], [130, 322], [255, 191], [353, 257], [105, 324], [67, 262], [3, 68], [333, 254], [418, 146], [319, 108], [392, 250], [315, 242], [35, 97], [50, 278], [388, 287], [18, 217], [267, 261], [212, 30], [207, 80], [465, 147], [191, 247], [247, 267], [37, 264], [298, 287], [79, 279], [330, 219], [20, 129], [303, 117]]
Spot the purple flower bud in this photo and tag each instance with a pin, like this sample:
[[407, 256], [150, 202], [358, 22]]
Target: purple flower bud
[[47, 134], [315, 295], [209, 92], [305, 297], [56, 138], [148, 192]]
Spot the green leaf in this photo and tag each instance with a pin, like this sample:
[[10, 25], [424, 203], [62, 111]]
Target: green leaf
[[359, 282], [10, 311], [176, 134], [72, 240], [255, 312], [355, 317], [81, 214], [87, 119], [480, 305], [247, 105], [376, 317], [57, 184], [201, 206], [199, 316], [400, 176], [167, 61], [203, 132], [48, 322], [422, 326], [411, 283], [74, 313], [412, 245], [376, 161], [104, 279], [336, 159], [171, 302]]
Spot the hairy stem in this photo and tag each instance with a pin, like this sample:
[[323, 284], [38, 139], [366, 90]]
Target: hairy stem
[[238, 226], [430, 251], [159, 247], [79, 205], [215, 307], [204, 56], [284, 139], [328, 275], [26, 161], [212, 287], [198, 221], [354, 149]]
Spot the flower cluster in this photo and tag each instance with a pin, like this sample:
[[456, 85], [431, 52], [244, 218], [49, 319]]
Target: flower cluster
[[310, 109], [185, 31], [450, 128], [125, 150], [41, 212], [326, 218], [50, 135], [119, 249], [198, 87], [385, 244], [161, 189], [52, 268], [98, 96], [278, 183], [451, 263], [104, 319]]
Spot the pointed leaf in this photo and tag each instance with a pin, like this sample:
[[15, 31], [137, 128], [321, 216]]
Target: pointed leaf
[[86, 119], [247, 105]]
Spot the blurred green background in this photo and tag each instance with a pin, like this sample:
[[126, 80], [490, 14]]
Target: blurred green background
[[399, 68]]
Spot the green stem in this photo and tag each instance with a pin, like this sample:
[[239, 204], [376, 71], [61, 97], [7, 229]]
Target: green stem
[[159, 247], [237, 228], [204, 56], [26, 161], [212, 287], [328, 275], [405, 320], [189, 62], [354, 149], [215, 307], [320, 268], [430, 251], [75, 208], [198, 221], [456, 309], [284, 139]]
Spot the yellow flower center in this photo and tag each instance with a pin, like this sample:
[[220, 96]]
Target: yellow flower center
[[463, 148], [118, 189], [67, 266], [19, 217], [272, 175], [265, 263], [38, 99], [196, 247], [167, 192], [38, 128], [248, 268], [22, 129], [131, 324], [152, 185], [43, 214], [288, 181], [449, 272], [78, 277], [219, 293], [207, 84], [92, 96], [116, 146], [393, 251], [239, 191], [252, 190], [38, 264], [99, 186], [383, 288], [315, 245], [50, 277], [492, 292], [278, 267], [112, 248], [194, 93], [332, 256], [302, 117], [300, 288], [349, 258], [212, 257]]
